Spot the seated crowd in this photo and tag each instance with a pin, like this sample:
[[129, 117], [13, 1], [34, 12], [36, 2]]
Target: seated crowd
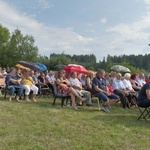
[[108, 88]]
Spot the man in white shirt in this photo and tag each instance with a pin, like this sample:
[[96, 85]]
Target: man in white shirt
[[50, 79], [141, 79], [77, 85], [120, 90]]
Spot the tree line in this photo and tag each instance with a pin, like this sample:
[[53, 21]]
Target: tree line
[[15, 47]]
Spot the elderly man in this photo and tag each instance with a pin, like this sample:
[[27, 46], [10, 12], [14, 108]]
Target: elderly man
[[77, 85], [50, 79], [120, 90], [13, 81], [101, 90]]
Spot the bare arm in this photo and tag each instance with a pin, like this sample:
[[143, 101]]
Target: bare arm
[[15, 81], [100, 90], [88, 83], [148, 93]]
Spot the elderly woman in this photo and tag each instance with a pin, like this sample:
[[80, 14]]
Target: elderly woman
[[133, 79], [128, 86], [28, 85], [64, 88], [127, 83]]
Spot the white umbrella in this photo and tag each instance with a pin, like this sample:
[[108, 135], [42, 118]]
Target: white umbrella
[[120, 68]]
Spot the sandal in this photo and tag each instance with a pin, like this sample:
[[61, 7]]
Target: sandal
[[74, 108], [17, 100], [27, 100], [34, 100]]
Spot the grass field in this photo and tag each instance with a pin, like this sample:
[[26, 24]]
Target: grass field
[[41, 126]]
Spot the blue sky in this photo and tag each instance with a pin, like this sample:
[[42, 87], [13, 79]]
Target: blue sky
[[99, 27]]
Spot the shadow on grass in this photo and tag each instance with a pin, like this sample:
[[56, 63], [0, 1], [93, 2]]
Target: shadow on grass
[[116, 116], [128, 118]]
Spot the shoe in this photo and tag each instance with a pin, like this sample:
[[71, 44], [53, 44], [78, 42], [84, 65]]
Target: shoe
[[10, 99], [89, 104], [17, 100], [74, 108], [27, 100], [78, 104], [108, 106], [125, 107], [105, 108], [83, 99], [34, 100]]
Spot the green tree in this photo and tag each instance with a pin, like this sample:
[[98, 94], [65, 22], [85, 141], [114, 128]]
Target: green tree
[[23, 47], [4, 39]]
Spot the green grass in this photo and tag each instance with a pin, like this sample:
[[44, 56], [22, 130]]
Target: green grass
[[41, 126]]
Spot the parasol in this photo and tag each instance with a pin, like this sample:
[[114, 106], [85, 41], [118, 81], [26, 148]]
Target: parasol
[[76, 68], [30, 65]]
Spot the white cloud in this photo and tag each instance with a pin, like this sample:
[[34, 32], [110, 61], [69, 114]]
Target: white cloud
[[103, 20], [45, 4], [48, 38], [147, 2], [131, 38], [120, 39]]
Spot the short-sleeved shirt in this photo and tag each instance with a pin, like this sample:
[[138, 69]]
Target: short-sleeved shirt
[[101, 83], [140, 81], [34, 78], [51, 78], [127, 84], [41, 79], [142, 93], [75, 82], [10, 76], [28, 81], [118, 84]]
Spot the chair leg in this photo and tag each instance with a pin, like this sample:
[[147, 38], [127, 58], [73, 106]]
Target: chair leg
[[62, 102], [54, 100], [147, 113], [144, 113], [5, 93], [99, 108]]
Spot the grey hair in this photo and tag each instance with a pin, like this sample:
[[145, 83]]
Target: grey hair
[[127, 75]]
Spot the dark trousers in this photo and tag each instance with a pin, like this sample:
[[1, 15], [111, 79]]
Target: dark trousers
[[50, 86], [122, 98], [144, 103]]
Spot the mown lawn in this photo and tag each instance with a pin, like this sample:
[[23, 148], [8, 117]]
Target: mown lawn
[[41, 126]]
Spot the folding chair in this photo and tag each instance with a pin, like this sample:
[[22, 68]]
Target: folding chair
[[2, 85], [98, 102], [99, 107], [144, 112], [45, 90], [58, 95], [6, 91]]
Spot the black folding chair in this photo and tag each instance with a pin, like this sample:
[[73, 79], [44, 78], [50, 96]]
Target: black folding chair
[[144, 112], [63, 97]]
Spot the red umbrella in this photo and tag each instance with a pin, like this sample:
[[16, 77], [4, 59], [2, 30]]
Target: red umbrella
[[76, 68]]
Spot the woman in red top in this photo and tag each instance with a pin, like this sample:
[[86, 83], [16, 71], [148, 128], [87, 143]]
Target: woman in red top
[[64, 88], [133, 79]]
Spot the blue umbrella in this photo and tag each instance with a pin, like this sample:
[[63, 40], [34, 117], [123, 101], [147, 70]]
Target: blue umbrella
[[42, 66]]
